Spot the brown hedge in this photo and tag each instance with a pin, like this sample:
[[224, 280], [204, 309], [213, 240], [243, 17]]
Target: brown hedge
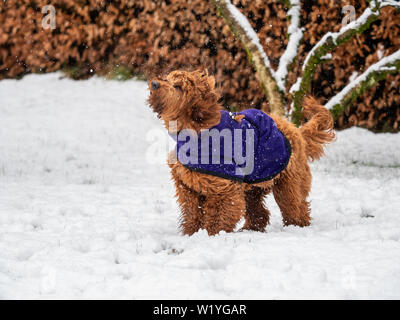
[[155, 36]]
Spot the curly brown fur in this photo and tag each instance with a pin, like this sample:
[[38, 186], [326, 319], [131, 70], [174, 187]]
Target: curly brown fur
[[318, 131], [189, 98], [216, 204]]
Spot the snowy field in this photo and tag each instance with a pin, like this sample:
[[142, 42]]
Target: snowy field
[[85, 214]]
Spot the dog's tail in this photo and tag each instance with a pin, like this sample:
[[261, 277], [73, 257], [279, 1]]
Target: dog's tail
[[318, 130]]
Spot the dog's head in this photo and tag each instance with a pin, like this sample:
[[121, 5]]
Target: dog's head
[[189, 98]]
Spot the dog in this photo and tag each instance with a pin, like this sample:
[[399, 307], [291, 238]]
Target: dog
[[215, 197]]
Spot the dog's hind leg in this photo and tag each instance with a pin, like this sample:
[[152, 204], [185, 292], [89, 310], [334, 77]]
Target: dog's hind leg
[[291, 196], [190, 203], [222, 213], [257, 215]]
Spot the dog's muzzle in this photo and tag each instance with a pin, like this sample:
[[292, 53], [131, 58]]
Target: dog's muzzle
[[155, 85]]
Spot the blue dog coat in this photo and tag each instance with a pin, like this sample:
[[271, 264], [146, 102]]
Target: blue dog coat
[[251, 150]]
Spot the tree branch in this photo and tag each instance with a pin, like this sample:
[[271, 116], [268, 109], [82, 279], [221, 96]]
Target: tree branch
[[242, 29], [327, 44], [375, 73], [295, 34], [391, 3]]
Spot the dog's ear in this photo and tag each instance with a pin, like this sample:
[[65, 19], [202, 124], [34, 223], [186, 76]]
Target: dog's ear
[[201, 72], [210, 79], [211, 82], [205, 112]]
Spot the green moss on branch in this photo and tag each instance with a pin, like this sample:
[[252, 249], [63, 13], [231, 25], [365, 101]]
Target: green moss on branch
[[267, 81]]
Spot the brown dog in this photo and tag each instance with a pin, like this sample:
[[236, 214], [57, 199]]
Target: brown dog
[[216, 203]]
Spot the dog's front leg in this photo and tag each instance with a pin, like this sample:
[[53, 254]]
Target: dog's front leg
[[257, 215], [222, 213], [190, 203]]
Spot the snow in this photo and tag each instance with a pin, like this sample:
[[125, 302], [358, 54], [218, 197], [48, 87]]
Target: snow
[[328, 56], [383, 64], [296, 86], [84, 214], [295, 35], [384, 3], [353, 76]]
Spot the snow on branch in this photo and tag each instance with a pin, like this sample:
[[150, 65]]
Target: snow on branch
[[274, 83], [241, 19], [392, 3], [334, 39], [295, 34], [321, 50], [375, 73], [242, 29]]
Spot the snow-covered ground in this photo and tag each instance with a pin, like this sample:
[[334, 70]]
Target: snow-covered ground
[[86, 213]]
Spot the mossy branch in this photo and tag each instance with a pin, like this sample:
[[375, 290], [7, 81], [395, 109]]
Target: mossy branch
[[326, 45], [374, 74], [255, 53]]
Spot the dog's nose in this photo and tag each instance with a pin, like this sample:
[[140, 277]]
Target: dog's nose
[[155, 85]]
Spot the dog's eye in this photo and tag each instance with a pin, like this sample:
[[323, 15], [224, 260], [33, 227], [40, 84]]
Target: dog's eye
[[178, 87]]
